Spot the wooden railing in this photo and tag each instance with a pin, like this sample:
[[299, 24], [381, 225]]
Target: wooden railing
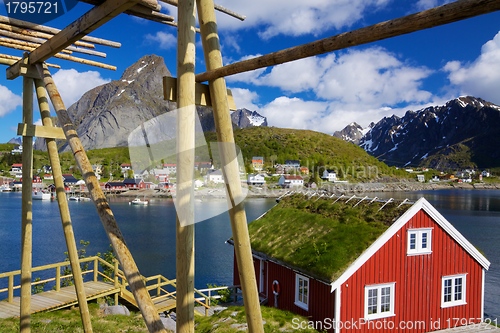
[[94, 269]]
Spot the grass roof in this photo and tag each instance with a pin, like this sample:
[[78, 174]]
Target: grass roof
[[321, 237]]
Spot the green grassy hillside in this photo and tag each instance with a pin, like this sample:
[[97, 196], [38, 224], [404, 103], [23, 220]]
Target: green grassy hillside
[[315, 150]]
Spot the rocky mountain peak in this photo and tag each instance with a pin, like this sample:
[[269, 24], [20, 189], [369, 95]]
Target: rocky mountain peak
[[149, 65], [106, 115], [459, 134]]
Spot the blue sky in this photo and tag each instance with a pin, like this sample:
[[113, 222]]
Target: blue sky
[[322, 93]]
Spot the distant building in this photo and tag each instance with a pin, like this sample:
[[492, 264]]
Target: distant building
[[421, 178], [287, 181], [134, 184], [292, 166], [16, 170], [17, 150], [329, 175], [214, 177], [256, 180], [257, 163]]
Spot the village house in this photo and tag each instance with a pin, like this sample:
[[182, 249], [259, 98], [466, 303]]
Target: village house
[[366, 262], [214, 177], [17, 150], [329, 175], [291, 166], [421, 178], [125, 167], [287, 181], [161, 175], [134, 184], [257, 179], [170, 168], [16, 170], [113, 186], [69, 180], [258, 163]]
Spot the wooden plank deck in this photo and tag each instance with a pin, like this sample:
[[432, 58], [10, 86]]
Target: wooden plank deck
[[53, 300]]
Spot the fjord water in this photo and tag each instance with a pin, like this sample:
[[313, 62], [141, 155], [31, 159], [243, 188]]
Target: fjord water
[[150, 233]]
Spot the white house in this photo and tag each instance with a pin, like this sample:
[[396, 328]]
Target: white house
[[291, 181], [421, 178], [214, 177], [170, 168], [329, 175], [256, 180]]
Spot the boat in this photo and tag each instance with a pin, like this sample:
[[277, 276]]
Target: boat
[[40, 195], [78, 198], [138, 201], [5, 188]]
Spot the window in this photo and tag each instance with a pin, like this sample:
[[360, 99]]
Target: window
[[453, 290], [379, 301], [302, 291], [419, 241]]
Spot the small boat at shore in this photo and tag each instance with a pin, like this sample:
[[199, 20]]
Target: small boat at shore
[[138, 201], [40, 195], [78, 198], [5, 188]]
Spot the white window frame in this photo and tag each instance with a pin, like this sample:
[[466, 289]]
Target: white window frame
[[300, 300], [452, 288], [378, 304], [419, 233]]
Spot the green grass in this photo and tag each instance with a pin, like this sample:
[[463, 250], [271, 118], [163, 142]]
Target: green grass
[[233, 318], [227, 321], [68, 321], [320, 237]]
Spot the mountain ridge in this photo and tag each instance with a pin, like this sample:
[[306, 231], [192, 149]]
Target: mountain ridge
[[105, 115], [458, 134]]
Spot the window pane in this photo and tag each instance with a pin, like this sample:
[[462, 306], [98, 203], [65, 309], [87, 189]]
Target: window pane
[[372, 301], [413, 241], [385, 300], [447, 290], [458, 289], [424, 240]]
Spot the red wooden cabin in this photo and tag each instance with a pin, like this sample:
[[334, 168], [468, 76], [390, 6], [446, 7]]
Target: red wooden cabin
[[419, 275]]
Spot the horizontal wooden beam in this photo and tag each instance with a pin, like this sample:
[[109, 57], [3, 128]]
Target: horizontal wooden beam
[[452, 12], [202, 93], [52, 31], [40, 131]]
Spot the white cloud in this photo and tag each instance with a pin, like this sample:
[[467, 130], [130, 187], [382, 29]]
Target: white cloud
[[372, 77], [427, 4], [296, 17], [73, 84], [294, 113], [244, 98], [8, 101], [358, 85], [480, 78], [163, 40]]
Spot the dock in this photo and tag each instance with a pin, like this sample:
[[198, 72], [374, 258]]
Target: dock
[[101, 279]]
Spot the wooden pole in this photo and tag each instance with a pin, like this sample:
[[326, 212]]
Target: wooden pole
[[134, 278], [230, 169], [62, 201], [26, 211], [186, 114], [434, 17], [216, 6]]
